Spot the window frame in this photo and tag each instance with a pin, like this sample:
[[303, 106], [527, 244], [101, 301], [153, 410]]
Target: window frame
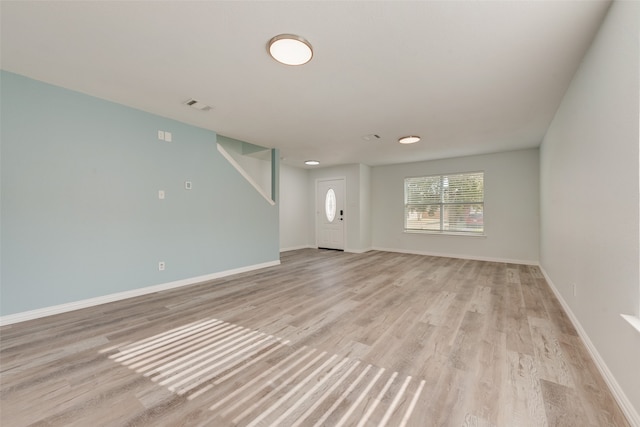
[[441, 205]]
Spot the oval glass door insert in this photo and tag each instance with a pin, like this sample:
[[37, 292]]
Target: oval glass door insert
[[330, 205]]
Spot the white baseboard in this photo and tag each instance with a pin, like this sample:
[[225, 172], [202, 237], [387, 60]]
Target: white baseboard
[[357, 251], [352, 251], [295, 248], [77, 305], [469, 257], [625, 404]]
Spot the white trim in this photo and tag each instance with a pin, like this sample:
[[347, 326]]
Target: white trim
[[295, 248], [625, 404], [633, 320], [246, 176], [347, 250], [444, 233], [461, 256], [77, 305], [357, 251]]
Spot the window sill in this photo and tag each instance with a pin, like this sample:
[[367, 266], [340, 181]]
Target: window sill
[[445, 233], [633, 321]]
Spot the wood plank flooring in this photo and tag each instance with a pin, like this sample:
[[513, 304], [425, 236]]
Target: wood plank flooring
[[325, 339]]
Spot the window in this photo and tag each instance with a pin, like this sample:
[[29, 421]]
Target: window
[[445, 203], [330, 205]]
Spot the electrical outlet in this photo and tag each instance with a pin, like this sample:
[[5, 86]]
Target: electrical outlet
[[161, 266]]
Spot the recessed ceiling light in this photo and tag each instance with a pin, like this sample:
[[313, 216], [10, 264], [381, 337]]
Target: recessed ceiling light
[[409, 139], [290, 49], [312, 162]]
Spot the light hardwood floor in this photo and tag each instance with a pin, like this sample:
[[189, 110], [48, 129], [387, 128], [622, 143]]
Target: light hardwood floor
[[325, 339]]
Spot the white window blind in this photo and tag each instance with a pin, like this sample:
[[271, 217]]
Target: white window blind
[[445, 203]]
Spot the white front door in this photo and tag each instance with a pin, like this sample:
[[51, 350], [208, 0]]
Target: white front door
[[330, 214]]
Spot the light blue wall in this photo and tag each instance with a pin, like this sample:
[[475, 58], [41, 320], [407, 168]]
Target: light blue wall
[[80, 214]]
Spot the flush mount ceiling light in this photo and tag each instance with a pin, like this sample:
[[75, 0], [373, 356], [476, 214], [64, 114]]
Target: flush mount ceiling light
[[312, 162], [412, 139], [290, 49]]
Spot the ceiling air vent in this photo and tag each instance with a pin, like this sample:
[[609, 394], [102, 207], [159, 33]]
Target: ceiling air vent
[[371, 137], [198, 105]]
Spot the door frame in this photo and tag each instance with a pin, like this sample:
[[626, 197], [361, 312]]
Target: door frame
[[319, 209]]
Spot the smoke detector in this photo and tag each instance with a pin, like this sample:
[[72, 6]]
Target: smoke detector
[[198, 105]]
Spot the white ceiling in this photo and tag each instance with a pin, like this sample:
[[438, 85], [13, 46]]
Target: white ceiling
[[470, 77]]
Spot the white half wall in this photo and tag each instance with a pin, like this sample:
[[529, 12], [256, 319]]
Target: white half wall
[[590, 201], [511, 208]]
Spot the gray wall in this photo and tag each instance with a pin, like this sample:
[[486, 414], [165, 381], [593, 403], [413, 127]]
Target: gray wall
[[375, 198], [80, 215], [295, 218], [365, 208], [590, 196], [511, 210]]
